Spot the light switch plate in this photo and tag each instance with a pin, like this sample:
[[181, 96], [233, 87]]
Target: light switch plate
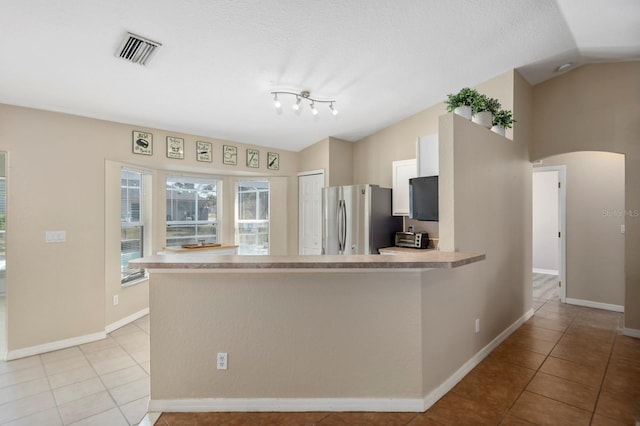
[[55, 236]]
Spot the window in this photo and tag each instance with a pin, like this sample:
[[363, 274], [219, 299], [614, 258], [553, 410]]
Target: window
[[253, 217], [132, 223], [192, 210]]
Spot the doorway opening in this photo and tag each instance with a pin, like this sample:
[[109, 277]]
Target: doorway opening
[[548, 225]]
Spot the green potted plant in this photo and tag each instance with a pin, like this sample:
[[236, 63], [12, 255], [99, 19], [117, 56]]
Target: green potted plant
[[502, 120], [483, 109], [461, 103]]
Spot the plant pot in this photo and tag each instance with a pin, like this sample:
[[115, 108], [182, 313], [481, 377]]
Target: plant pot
[[484, 118], [464, 111], [499, 130]]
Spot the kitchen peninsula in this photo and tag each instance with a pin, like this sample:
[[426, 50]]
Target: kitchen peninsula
[[300, 332]]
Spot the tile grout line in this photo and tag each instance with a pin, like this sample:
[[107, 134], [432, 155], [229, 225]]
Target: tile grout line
[[53, 395], [595, 406], [537, 370]]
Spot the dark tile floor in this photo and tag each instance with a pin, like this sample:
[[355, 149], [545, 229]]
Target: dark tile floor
[[567, 365]]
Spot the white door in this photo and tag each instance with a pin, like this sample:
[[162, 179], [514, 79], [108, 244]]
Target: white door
[[310, 212]]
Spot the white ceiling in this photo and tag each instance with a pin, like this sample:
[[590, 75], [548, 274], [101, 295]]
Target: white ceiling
[[381, 60]]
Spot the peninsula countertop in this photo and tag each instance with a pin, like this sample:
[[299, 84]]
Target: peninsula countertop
[[209, 261]]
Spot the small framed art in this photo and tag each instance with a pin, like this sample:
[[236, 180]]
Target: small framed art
[[253, 158], [204, 151], [175, 147], [142, 143], [273, 161], [229, 155]]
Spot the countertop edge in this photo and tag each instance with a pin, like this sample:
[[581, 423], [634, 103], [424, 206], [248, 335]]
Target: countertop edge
[[363, 262]]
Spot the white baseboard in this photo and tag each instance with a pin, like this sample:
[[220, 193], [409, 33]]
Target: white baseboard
[[54, 346], [433, 396], [631, 332], [126, 320], [286, 404], [597, 305], [546, 271], [74, 341], [335, 404]]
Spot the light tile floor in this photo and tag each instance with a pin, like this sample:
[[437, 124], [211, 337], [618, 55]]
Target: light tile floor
[[100, 383]]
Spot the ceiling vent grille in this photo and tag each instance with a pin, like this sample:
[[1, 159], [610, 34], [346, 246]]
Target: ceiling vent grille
[[136, 49]]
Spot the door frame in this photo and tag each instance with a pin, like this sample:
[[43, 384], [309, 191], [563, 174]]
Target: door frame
[[303, 174], [562, 225]]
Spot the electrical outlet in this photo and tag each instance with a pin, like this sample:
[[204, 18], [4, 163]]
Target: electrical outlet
[[478, 325], [222, 361], [115, 300]]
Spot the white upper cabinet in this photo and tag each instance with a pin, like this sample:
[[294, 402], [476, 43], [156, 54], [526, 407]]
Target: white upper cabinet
[[402, 172], [428, 155]]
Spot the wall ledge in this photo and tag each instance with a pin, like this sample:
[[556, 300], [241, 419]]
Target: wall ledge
[[596, 305], [54, 346]]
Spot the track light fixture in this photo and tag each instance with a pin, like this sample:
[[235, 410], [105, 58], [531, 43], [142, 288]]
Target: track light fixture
[[304, 95]]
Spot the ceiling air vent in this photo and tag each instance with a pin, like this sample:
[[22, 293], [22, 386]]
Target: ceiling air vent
[[136, 49]]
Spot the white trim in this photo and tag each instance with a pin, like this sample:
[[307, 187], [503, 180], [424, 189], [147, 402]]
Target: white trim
[[54, 346], [312, 172], [335, 404], [126, 320], [546, 271], [597, 305], [150, 419], [74, 341], [433, 396], [631, 332], [286, 404]]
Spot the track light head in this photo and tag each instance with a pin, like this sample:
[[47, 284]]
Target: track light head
[[334, 111], [276, 101], [314, 111], [296, 106]]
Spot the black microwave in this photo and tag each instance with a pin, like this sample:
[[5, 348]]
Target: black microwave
[[423, 198]]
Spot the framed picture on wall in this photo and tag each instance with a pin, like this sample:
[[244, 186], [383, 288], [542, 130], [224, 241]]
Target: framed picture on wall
[[273, 161], [253, 158], [230, 155], [175, 147], [204, 151], [142, 143]]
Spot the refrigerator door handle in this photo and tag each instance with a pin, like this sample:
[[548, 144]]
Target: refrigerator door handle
[[344, 225], [339, 225]]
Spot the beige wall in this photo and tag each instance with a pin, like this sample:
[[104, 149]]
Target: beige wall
[[62, 170], [316, 157], [340, 162], [485, 206], [595, 210], [595, 108], [287, 334]]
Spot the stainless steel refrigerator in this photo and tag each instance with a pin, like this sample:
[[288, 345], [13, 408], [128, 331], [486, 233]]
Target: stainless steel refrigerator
[[357, 219]]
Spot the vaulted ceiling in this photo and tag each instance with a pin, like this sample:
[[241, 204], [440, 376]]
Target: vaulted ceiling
[[381, 60]]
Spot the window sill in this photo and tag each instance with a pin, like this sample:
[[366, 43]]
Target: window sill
[[134, 282]]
